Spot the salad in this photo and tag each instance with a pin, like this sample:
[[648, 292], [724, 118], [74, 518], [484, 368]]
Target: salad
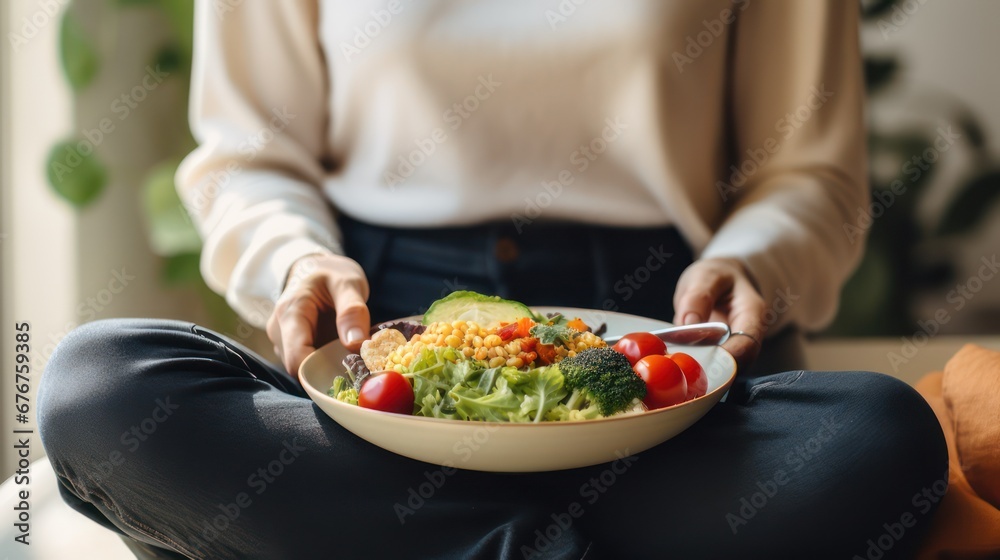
[[482, 358]]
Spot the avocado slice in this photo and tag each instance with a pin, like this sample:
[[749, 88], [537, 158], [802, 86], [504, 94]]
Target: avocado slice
[[484, 310]]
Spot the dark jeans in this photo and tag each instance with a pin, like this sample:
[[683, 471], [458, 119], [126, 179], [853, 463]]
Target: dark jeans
[[189, 444]]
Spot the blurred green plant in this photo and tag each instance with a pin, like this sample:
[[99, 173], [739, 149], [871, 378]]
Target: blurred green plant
[[170, 232], [879, 297]]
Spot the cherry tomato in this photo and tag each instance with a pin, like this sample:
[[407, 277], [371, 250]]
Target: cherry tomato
[[636, 346], [665, 382], [696, 379], [389, 392]]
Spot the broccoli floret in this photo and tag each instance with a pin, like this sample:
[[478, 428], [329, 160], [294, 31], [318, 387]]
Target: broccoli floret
[[342, 390], [604, 376]]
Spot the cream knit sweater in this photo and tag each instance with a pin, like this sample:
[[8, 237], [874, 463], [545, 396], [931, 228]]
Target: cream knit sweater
[[739, 122]]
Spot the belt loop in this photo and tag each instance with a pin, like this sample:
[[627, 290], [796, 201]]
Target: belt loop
[[601, 282], [493, 232]]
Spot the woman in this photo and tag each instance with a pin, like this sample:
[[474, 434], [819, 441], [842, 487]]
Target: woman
[[686, 161]]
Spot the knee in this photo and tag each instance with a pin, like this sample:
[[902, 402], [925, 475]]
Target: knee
[[891, 451], [94, 376], [898, 408], [897, 420], [92, 357], [897, 454]]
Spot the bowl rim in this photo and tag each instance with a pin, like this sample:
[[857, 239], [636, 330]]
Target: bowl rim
[[313, 391]]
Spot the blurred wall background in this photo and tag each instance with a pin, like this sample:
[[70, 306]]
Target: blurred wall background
[[935, 168], [94, 121]]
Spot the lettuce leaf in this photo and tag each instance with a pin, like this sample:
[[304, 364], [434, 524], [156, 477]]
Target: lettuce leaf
[[498, 406]]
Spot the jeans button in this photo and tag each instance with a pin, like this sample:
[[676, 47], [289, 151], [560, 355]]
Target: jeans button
[[506, 250]]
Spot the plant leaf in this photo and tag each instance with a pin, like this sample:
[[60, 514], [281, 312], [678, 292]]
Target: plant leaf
[[973, 203], [170, 229], [972, 130], [899, 148], [181, 16], [875, 8], [181, 269], [866, 298], [879, 71], [77, 53], [76, 178], [168, 58]]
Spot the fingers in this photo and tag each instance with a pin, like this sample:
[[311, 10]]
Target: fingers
[[720, 289], [298, 328], [353, 319], [699, 290], [328, 285], [745, 315], [292, 329]]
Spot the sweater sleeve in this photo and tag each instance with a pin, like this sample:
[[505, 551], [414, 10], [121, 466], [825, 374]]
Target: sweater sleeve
[[799, 168], [259, 115]]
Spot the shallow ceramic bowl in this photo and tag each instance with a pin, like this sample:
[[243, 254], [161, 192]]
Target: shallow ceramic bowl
[[503, 447]]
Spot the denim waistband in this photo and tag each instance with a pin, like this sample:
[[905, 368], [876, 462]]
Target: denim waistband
[[541, 263]]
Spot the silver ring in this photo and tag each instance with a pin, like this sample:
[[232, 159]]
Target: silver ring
[[751, 337]]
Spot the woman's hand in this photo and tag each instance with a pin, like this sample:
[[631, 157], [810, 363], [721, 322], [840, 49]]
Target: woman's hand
[[721, 290], [321, 291]]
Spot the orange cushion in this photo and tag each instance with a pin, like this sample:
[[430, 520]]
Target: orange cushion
[[971, 390], [966, 526]]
